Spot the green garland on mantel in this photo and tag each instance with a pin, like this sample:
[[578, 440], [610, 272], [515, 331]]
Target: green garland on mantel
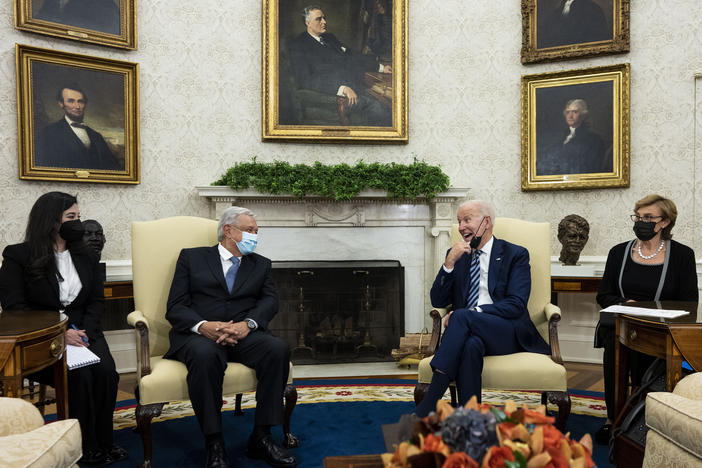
[[339, 181]]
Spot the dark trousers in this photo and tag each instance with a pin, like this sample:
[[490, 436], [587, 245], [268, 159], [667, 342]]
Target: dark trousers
[[207, 361], [92, 393], [469, 337], [637, 364]]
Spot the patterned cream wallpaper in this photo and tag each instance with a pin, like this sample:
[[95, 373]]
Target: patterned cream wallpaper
[[200, 87]]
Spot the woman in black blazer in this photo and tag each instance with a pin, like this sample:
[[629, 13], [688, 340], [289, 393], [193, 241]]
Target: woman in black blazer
[[53, 270], [651, 267]]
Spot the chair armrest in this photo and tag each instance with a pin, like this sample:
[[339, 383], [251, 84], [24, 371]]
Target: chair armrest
[[436, 315], [690, 387], [553, 314], [138, 320], [18, 416]]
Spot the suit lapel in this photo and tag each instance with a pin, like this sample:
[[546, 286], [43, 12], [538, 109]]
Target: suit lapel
[[463, 275], [248, 263], [83, 274], [215, 264], [495, 265]]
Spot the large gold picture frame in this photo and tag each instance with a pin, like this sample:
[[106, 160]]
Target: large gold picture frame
[[104, 22], [300, 99], [575, 129], [556, 30], [77, 117]]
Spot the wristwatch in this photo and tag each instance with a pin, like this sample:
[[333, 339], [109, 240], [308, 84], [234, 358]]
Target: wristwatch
[[251, 324]]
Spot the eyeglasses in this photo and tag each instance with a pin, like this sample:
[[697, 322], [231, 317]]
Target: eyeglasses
[[645, 218]]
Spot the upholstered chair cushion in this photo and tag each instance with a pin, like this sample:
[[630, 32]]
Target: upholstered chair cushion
[[26, 441], [675, 425]]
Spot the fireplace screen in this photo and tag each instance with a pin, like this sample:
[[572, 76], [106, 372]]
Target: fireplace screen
[[346, 311]]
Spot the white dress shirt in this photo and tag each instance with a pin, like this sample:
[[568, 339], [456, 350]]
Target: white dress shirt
[[483, 291], [69, 281], [81, 133]]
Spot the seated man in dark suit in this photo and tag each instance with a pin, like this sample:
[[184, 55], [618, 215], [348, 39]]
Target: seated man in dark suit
[[220, 303], [69, 142], [487, 281], [323, 63]]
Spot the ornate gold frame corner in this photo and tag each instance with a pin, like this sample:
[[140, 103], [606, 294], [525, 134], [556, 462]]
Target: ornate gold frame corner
[[619, 76], [273, 131], [25, 57], [126, 39], [530, 53]]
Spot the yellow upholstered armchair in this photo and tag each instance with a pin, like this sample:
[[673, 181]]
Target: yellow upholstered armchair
[[26, 441], [519, 371], [674, 421], [155, 249]]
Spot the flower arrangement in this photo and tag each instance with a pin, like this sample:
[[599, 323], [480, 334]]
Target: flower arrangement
[[480, 435]]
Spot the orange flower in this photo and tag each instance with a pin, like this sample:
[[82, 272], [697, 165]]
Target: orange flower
[[557, 458], [459, 460], [552, 437], [496, 457], [433, 443], [536, 417]]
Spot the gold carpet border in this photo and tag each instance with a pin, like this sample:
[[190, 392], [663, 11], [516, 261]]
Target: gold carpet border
[[589, 406]]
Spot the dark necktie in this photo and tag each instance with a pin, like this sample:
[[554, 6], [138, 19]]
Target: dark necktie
[[474, 290], [231, 273], [78, 125]]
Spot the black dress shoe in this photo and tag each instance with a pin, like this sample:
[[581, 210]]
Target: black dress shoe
[[265, 448], [603, 434], [93, 457], [216, 455], [116, 453]]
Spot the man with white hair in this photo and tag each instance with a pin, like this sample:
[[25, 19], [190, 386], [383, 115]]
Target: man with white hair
[[220, 304], [577, 150], [486, 282]]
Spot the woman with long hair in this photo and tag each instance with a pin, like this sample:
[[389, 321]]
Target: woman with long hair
[[54, 270]]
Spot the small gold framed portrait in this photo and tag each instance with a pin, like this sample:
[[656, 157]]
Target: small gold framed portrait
[[104, 22], [335, 71], [77, 117], [566, 29], [575, 129]]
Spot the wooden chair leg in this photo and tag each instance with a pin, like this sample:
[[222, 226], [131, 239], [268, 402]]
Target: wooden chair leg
[[562, 400], [237, 404], [420, 391], [290, 396], [144, 415]]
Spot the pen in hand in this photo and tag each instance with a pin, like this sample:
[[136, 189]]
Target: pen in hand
[[81, 337]]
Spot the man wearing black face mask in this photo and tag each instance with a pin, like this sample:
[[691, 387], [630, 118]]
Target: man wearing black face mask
[[650, 267], [487, 281]]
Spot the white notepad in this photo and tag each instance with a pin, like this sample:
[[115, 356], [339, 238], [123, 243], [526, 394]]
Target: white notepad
[[645, 312], [80, 356]]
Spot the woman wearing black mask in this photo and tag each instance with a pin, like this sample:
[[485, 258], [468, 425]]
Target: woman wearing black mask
[[53, 270], [651, 267]]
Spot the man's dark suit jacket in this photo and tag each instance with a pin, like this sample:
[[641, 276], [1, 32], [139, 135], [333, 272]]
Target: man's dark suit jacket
[[583, 154], [585, 22], [324, 68], [509, 284], [17, 291], [58, 146], [199, 292]]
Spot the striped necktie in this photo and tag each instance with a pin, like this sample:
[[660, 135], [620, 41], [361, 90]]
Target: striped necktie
[[474, 290]]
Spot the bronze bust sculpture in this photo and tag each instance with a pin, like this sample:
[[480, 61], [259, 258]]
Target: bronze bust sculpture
[[94, 236], [573, 233]]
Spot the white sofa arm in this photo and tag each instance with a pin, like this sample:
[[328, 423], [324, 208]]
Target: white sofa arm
[[18, 416]]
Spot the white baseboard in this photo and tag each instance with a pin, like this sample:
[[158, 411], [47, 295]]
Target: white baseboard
[[123, 349]]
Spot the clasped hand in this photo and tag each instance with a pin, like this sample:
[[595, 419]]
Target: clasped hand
[[225, 333], [456, 252], [75, 337]]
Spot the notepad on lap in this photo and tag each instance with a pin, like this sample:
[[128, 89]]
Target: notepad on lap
[[80, 356]]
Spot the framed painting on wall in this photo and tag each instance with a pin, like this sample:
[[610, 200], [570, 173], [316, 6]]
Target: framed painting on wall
[[77, 117], [335, 72], [575, 129], [105, 22], [566, 29]]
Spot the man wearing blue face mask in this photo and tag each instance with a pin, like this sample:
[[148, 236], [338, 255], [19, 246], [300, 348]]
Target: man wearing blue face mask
[[220, 303]]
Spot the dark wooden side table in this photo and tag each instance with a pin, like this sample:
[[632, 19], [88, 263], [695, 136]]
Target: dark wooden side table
[[573, 284], [31, 340], [675, 340], [354, 461]]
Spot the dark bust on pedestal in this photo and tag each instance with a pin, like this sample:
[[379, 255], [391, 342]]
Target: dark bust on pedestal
[[573, 234], [94, 237]]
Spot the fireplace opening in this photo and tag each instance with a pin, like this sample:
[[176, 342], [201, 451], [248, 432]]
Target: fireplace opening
[[341, 311]]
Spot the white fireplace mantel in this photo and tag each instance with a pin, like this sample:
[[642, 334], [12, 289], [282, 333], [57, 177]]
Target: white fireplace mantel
[[369, 226]]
